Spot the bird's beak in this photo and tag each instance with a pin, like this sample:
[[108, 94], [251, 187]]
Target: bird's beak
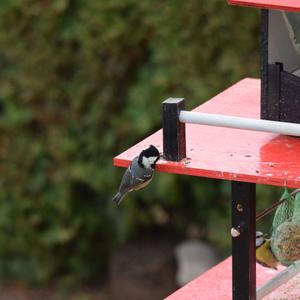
[[161, 155]]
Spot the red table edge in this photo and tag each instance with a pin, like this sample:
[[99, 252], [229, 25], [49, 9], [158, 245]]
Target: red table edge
[[267, 5], [214, 174]]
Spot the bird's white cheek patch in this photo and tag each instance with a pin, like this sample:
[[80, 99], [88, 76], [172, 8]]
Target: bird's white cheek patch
[[152, 159], [259, 241], [148, 161]]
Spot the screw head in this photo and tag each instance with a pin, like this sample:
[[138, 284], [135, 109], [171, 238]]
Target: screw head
[[235, 232], [240, 207]]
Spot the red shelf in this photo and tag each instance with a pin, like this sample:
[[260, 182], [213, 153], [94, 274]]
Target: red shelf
[[231, 154], [216, 284], [289, 5]]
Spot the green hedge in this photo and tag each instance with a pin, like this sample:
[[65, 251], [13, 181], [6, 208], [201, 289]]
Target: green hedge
[[82, 80]]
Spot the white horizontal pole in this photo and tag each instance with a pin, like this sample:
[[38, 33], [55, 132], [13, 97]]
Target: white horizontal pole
[[239, 123], [278, 280]]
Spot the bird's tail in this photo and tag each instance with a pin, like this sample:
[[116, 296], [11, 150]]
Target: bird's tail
[[117, 198]]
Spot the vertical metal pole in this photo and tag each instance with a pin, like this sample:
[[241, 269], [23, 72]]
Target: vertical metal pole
[[1, 106], [273, 96], [243, 244], [264, 46], [174, 144], [270, 75]]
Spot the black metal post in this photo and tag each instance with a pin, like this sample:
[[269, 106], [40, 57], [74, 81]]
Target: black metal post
[[243, 244], [273, 96], [1, 107], [270, 75], [264, 46], [174, 144]]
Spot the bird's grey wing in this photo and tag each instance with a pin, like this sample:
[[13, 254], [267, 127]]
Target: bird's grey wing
[[126, 182], [142, 178]]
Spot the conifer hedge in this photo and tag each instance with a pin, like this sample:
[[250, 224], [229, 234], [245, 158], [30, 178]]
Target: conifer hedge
[[81, 81]]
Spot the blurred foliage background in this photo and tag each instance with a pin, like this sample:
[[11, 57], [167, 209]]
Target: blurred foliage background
[[81, 81]]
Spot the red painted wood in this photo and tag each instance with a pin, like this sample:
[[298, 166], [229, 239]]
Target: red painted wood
[[215, 284], [290, 5], [231, 154]]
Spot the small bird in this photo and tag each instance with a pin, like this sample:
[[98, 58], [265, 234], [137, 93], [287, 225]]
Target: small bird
[[139, 173], [264, 254]]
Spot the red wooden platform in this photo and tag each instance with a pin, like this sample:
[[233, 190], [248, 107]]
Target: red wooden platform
[[216, 284], [290, 5], [231, 154]]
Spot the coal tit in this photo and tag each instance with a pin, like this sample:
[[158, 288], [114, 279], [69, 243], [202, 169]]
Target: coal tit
[[139, 173]]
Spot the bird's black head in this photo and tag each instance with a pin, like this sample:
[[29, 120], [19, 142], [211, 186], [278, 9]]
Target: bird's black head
[[148, 157], [151, 151]]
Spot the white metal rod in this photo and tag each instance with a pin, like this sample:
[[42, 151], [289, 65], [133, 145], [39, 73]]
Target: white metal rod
[[278, 280], [239, 123]]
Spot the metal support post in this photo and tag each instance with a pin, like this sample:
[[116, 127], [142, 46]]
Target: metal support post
[[243, 241]]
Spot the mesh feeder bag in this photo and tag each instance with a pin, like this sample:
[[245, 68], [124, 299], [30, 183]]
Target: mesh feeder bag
[[286, 231]]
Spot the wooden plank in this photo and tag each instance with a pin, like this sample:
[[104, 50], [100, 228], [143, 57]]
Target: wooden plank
[[231, 154], [216, 284], [289, 5]]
